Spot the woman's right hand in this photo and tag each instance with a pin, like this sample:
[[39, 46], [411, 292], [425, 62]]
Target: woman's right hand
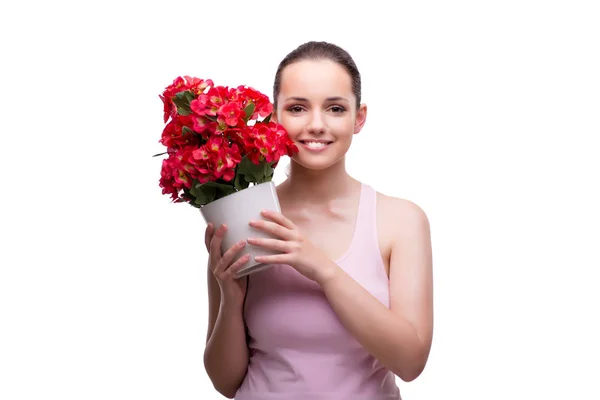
[[233, 290]]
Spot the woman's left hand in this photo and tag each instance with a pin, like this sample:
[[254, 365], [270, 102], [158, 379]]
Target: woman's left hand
[[298, 252]]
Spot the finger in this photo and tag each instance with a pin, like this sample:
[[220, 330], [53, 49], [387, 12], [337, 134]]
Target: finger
[[274, 259], [208, 234], [228, 271], [229, 254], [272, 244], [215, 244], [272, 228], [236, 266], [278, 218]]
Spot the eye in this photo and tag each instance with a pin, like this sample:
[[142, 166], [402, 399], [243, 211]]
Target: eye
[[295, 109], [337, 109]]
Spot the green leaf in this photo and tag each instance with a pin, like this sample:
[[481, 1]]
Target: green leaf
[[187, 131], [210, 191], [182, 101], [202, 194], [269, 171], [189, 96], [268, 119], [222, 189], [159, 154], [240, 183], [189, 197], [249, 110], [252, 172]]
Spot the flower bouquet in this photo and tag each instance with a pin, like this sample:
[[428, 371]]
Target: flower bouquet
[[222, 151]]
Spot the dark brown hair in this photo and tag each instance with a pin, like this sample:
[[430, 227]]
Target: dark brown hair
[[320, 51]]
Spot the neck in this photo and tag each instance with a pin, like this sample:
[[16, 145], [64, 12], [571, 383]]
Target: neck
[[323, 186]]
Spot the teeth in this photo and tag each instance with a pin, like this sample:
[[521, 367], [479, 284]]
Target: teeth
[[316, 144]]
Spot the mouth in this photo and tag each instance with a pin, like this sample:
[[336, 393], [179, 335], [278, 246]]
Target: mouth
[[315, 145]]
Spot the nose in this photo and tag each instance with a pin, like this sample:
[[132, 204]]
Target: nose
[[316, 124]]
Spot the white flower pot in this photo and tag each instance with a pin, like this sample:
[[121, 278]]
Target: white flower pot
[[236, 210]]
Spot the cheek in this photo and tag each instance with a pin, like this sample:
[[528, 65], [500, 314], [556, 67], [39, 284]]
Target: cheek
[[293, 126], [343, 125]]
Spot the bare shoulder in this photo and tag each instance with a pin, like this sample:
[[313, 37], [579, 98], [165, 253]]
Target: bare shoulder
[[403, 214], [401, 224]]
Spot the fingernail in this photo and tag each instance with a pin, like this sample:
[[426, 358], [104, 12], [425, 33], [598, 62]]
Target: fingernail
[[241, 243]]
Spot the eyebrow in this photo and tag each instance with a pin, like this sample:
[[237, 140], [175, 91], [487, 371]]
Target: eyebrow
[[334, 98]]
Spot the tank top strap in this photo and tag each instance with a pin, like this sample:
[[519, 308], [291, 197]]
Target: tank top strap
[[364, 241], [366, 225], [364, 261]]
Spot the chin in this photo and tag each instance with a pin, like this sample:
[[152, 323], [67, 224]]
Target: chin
[[316, 165]]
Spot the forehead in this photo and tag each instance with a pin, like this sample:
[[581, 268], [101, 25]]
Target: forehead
[[315, 79]]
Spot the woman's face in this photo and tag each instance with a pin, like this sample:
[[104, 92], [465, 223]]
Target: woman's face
[[317, 107]]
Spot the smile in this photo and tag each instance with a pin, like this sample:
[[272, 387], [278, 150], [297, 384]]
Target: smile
[[315, 145]]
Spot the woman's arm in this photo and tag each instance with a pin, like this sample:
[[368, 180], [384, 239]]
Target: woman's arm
[[226, 353], [399, 337]]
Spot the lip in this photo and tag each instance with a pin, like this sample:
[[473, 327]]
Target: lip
[[315, 140], [312, 149]]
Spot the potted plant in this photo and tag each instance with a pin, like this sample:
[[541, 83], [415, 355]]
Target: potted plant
[[222, 150]]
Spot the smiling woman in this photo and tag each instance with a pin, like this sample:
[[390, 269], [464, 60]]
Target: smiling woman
[[348, 302], [317, 100]]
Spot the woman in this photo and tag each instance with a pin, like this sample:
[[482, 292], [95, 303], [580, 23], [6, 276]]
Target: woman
[[348, 305]]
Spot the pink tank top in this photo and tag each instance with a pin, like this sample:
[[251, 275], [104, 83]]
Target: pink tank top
[[299, 350]]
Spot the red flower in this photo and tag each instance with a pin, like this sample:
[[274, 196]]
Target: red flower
[[200, 124], [216, 98], [216, 160], [196, 85], [174, 135], [200, 105], [267, 142], [209, 133], [177, 172], [263, 106], [231, 113], [228, 159]]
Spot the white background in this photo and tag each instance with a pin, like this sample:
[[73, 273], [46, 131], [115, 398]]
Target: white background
[[483, 113]]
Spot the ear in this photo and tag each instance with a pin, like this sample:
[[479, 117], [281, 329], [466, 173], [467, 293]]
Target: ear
[[361, 118], [274, 117]]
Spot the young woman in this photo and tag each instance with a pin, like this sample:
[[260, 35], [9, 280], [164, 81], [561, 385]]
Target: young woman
[[348, 305]]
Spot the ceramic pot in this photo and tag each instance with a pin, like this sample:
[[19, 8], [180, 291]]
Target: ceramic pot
[[236, 210]]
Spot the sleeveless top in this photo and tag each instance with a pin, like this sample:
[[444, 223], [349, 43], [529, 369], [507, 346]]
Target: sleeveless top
[[299, 350]]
